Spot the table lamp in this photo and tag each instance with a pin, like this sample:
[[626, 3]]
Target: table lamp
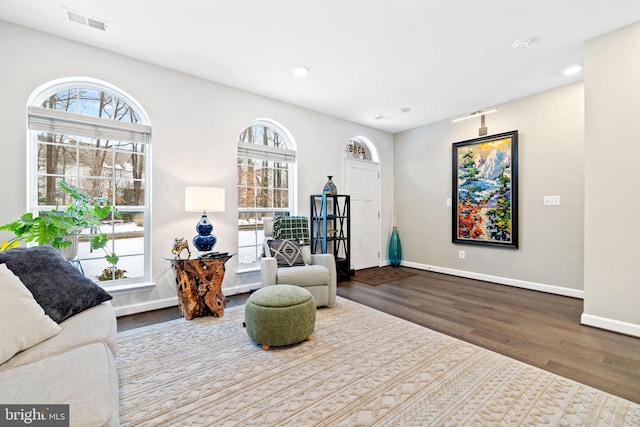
[[203, 199]]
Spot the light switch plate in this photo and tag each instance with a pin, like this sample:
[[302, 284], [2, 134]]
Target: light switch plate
[[551, 200]]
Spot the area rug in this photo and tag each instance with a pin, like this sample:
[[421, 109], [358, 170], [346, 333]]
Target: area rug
[[379, 275], [363, 367]]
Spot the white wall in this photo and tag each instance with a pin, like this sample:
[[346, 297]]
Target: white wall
[[195, 128], [612, 202], [551, 141]]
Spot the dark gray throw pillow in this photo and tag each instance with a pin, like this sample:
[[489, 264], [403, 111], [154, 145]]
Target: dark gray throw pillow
[[60, 289], [286, 252]]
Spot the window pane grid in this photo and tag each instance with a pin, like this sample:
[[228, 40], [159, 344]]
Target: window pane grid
[[264, 168], [251, 234], [71, 146]]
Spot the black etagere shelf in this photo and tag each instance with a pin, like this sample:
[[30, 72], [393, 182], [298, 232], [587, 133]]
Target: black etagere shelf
[[331, 228]]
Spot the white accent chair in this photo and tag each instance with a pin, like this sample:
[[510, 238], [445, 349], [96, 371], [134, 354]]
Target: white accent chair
[[318, 275]]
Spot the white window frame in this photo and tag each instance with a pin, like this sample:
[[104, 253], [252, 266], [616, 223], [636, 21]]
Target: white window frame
[[39, 119], [249, 150]]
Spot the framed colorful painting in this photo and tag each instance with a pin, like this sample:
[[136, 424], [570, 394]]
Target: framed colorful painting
[[485, 190]]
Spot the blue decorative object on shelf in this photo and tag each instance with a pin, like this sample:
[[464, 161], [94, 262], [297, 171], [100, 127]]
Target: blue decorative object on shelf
[[395, 248], [330, 187], [204, 241]]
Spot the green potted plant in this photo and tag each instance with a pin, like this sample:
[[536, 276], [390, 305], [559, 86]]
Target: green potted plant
[[60, 228]]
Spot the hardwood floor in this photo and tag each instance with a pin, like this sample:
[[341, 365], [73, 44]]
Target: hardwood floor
[[536, 328]]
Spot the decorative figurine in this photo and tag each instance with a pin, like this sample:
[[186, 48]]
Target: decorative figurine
[[180, 245]]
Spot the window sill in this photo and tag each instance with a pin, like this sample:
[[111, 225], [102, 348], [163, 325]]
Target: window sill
[[129, 288]]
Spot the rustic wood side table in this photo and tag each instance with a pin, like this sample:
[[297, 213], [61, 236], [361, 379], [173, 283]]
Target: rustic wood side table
[[199, 285]]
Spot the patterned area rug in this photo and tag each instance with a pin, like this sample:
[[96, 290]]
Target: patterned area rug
[[379, 275], [363, 367]]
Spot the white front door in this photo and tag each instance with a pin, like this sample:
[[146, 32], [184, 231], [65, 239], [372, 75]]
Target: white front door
[[362, 183]]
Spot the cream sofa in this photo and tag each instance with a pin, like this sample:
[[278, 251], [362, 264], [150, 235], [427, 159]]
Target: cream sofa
[[58, 338], [75, 367]]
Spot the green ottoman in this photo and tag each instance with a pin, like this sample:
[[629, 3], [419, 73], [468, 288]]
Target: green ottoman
[[280, 315]]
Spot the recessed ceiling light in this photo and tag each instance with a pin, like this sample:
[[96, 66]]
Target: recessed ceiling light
[[300, 71], [520, 44], [382, 117], [571, 70]]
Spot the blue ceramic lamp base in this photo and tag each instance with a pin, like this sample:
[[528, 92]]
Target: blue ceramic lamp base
[[204, 241]]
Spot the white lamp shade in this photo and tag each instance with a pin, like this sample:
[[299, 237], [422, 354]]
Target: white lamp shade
[[204, 199]]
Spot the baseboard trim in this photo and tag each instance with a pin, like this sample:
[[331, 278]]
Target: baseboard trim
[[610, 324], [542, 287], [145, 306], [241, 289], [248, 287], [173, 301]]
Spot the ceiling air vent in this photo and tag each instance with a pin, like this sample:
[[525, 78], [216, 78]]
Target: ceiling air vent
[[84, 19]]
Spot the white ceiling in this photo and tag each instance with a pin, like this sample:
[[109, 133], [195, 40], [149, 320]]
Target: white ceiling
[[367, 58]]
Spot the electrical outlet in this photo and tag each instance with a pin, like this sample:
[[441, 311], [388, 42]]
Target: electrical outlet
[[448, 202], [461, 254]]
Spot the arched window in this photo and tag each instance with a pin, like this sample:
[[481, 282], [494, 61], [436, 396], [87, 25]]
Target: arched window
[[361, 148], [94, 137], [266, 183]]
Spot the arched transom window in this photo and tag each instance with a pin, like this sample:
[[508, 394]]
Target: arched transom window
[[361, 148]]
